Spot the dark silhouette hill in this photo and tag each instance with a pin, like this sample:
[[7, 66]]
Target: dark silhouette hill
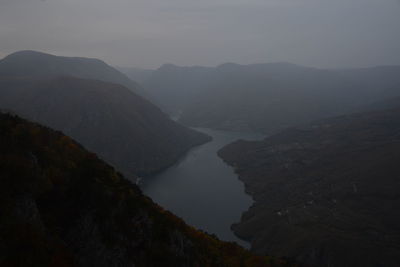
[[326, 193]]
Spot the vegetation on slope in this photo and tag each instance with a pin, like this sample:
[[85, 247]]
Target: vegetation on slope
[[62, 206], [326, 193]]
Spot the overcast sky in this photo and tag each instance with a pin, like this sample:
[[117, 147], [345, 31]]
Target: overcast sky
[[148, 33]]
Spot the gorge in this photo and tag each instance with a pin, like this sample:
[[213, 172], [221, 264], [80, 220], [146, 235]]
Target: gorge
[[202, 189]]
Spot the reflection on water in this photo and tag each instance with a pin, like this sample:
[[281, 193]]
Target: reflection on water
[[202, 189]]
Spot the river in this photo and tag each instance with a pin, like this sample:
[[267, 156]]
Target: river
[[202, 189]]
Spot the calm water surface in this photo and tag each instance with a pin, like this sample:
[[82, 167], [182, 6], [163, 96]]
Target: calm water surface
[[202, 189]]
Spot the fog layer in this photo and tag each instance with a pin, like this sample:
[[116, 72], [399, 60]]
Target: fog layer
[[147, 33]]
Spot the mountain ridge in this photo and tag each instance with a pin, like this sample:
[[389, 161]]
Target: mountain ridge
[[266, 97], [107, 118], [35, 63]]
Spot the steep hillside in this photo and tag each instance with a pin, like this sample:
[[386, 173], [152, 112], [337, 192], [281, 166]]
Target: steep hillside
[[62, 206], [329, 191], [109, 119]]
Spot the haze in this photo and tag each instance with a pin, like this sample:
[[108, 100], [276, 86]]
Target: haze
[[148, 33]]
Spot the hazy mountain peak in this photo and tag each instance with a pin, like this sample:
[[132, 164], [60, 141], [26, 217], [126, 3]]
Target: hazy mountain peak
[[34, 63], [34, 55], [25, 53]]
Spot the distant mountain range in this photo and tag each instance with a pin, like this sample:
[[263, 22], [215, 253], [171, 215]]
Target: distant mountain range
[[107, 118], [326, 193], [62, 206], [266, 97]]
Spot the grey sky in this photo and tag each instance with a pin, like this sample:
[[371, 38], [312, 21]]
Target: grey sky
[[147, 33]]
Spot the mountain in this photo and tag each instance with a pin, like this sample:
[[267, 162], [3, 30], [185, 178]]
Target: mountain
[[62, 206], [136, 74], [33, 63], [326, 193], [267, 97], [121, 127]]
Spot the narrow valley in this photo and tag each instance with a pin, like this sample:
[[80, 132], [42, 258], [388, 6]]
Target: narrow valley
[[202, 189]]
